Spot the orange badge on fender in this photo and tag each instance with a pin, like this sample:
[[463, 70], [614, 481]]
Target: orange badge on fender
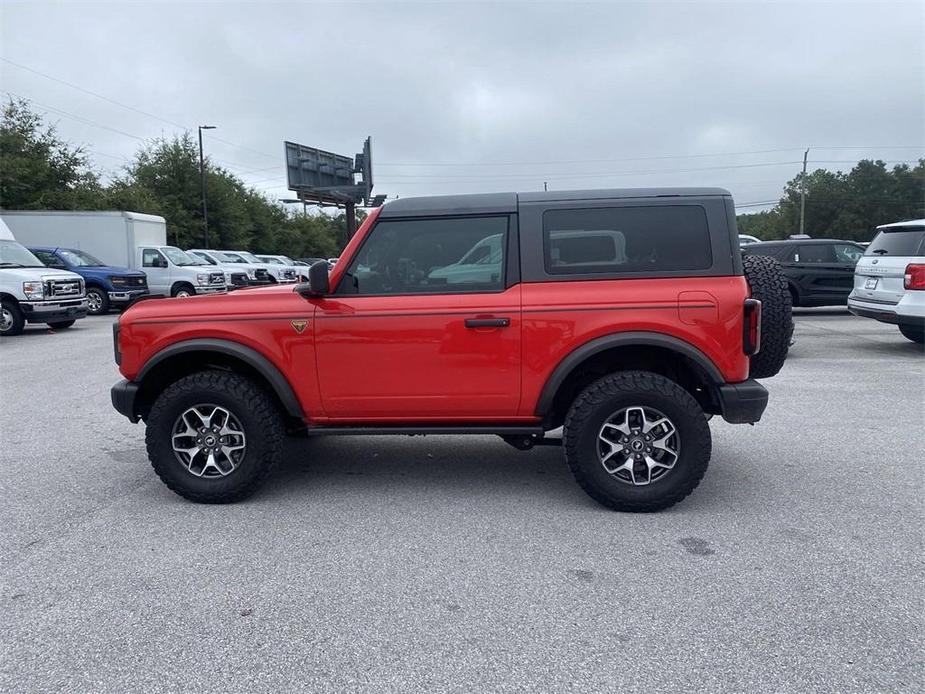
[[299, 325]]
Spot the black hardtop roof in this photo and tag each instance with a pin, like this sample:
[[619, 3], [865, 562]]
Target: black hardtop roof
[[798, 242], [500, 203]]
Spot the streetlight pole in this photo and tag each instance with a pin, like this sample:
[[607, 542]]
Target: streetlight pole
[[202, 183]]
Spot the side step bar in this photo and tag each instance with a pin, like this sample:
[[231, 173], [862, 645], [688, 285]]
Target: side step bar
[[423, 430]]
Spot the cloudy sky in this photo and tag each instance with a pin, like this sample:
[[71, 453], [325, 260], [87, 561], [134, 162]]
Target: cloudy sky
[[462, 97]]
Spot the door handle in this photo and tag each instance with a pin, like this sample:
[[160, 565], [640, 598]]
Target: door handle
[[487, 322]]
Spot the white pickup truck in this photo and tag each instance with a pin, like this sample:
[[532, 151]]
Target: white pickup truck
[[33, 293]]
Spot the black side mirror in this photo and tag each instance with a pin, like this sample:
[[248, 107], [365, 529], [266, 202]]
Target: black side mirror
[[318, 284]]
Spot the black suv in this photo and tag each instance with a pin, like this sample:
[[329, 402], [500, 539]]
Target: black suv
[[820, 272]]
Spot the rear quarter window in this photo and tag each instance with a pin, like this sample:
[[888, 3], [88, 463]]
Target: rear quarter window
[[903, 241], [620, 240]]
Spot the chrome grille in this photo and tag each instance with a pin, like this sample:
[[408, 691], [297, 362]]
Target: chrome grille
[[261, 274], [216, 278], [239, 279], [63, 288], [289, 274]]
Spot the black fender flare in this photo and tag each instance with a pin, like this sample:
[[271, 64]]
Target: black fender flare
[[600, 344], [249, 356]]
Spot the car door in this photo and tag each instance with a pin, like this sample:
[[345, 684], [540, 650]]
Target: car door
[[157, 269], [402, 337], [822, 279]]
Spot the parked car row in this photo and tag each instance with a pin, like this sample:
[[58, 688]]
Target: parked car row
[[883, 279]]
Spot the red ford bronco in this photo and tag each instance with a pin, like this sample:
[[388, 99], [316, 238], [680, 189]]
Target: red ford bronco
[[624, 316]]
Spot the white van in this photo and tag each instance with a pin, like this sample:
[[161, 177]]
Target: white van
[[173, 272], [33, 293]]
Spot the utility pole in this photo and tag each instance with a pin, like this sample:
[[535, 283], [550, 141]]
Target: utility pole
[[545, 187], [202, 183], [803, 192]]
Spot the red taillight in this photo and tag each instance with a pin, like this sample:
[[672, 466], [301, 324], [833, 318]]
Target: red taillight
[[751, 338], [915, 276]]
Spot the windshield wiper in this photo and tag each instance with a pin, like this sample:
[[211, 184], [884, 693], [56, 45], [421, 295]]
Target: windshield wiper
[[880, 251], [12, 265]]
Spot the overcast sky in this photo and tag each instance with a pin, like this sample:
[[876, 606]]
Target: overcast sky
[[468, 97]]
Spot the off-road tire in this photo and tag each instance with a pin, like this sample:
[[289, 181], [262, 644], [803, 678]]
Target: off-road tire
[[18, 322], [608, 395], [916, 333], [61, 324], [104, 303], [181, 287], [260, 419], [767, 283]]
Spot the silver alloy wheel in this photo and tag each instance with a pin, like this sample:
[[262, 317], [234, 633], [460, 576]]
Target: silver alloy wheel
[[183, 293], [94, 301], [208, 440], [638, 445], [6, 319]]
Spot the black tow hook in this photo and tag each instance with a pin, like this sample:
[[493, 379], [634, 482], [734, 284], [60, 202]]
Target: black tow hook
[[525, 443]]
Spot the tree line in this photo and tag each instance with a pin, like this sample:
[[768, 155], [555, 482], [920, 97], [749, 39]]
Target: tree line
[[844, 205], [39, 170]]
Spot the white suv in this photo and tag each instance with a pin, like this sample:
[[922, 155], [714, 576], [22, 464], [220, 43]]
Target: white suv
[[889, 281]]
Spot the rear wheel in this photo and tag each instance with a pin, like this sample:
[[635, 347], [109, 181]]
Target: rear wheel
[[62, 324], [11, 319], [214, 437], [768, 284], [637, 441], [916, 333], [97, 301]]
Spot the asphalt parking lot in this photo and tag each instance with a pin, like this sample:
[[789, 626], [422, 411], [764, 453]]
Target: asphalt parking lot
[[460, 564]]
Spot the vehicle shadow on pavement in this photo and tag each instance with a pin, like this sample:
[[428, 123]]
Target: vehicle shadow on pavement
[[463, 466], [891, 349]]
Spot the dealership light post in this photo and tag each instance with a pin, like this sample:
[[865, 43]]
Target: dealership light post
[[202, 182]]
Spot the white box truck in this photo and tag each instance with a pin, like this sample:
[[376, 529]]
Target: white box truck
[[130, 239]]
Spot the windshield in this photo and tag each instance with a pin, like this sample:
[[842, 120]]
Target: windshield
[[270, 259], [202, 258], [287, 260], [230, 258], [178, 257], [902, 241], [250, 257], [79, 258], [13, 254]]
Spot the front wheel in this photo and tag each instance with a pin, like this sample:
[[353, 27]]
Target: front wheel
[[637, 441], [97, 301], [214, 437], [916, 333], [183, 290], [12, 321], [62, 324]]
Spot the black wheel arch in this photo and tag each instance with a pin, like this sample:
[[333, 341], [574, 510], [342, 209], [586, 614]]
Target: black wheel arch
[[188, 356], [693, 369]]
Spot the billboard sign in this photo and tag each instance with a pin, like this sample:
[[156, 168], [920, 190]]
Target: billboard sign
[[318, 174]]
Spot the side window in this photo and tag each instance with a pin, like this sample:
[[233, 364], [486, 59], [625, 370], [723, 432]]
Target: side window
[[845, 253], [151, 257], [50, 259], [626, 240], [815, 253], [430, 256]]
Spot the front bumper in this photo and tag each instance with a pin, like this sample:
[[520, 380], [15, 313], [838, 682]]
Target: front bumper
[[127, 296], [123, 396], [210, 289], [53, 311], [742, 403]]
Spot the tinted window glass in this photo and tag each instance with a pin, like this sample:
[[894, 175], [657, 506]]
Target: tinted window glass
[[815, 253], [898, 241], [436, 256], [626, 239], [782, 253]]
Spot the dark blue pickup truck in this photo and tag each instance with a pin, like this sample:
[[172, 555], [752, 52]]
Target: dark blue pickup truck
[[107, 286]]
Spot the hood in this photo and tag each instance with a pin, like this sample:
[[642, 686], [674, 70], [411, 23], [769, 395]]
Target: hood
[[253, 301], [34, 274]]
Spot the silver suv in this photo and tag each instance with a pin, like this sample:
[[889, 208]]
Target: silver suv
[[889, 281]]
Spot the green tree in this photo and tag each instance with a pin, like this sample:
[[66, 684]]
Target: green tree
[[38, 170]]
